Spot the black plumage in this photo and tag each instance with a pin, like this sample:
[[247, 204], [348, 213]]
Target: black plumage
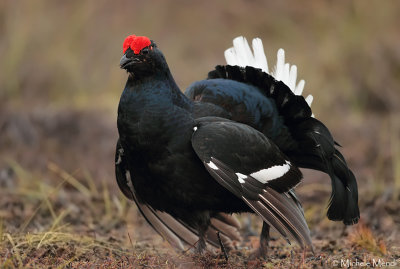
[[231, 143]]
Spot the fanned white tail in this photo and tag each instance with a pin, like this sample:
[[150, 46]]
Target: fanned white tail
[[242, 55]]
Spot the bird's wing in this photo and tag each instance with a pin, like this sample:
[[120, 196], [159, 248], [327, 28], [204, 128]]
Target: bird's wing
[[176, 232], [246, 163]]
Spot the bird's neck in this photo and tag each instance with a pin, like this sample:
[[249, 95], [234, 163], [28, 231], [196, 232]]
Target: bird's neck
[[161, 85], [151, 110]]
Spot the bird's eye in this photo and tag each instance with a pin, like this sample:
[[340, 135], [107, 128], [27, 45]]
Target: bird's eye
[[145, 51]]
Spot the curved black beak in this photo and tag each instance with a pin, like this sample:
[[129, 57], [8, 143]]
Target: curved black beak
[[124, 61]]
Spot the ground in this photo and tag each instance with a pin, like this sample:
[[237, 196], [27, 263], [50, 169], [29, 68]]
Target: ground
[[52, 215], [60, 206]]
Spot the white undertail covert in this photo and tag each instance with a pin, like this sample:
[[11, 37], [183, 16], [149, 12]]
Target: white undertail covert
[[242, 55]]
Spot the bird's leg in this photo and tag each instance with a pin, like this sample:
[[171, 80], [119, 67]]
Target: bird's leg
[[201, 244], [261, 252], [203, 221], [264, 239]]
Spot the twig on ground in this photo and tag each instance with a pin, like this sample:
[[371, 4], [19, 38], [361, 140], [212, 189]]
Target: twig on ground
[[222, 247]]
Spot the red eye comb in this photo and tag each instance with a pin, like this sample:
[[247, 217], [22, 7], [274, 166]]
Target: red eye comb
[[136, 43]]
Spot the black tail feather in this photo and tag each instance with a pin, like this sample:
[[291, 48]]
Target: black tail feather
[[338, 200], [345, 184], [316, 150]]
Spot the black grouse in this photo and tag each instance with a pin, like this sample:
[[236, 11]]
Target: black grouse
[[231, 143]]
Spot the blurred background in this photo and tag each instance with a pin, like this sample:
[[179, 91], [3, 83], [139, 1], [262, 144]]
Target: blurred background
[[60, 84]]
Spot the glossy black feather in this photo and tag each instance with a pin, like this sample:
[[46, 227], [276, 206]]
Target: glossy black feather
[[244, 148], [276, 209], [317, 150]]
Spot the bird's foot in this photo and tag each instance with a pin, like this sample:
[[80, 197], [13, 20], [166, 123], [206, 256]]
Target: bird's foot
[[261, 252], [200, 246]]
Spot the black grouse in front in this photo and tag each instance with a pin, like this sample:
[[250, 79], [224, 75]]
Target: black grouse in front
[[232, 143]]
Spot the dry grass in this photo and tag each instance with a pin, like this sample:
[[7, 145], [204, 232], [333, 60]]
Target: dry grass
[[363, 238], [59, 89]]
